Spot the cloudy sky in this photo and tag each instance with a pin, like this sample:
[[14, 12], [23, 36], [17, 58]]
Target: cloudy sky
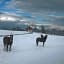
[[40, 11]]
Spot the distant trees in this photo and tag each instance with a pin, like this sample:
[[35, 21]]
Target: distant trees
[[29, 28], [43, 29], [39, 29]]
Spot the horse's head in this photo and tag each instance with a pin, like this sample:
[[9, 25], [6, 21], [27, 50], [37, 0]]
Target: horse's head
[[45, 37], [11, 36]]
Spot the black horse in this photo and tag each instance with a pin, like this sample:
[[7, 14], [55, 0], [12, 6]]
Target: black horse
[[7, 41], [41, 39]]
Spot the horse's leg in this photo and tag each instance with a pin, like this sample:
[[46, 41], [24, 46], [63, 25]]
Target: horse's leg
[[37, 43], [6, 47], [10, 48], [43, 44]]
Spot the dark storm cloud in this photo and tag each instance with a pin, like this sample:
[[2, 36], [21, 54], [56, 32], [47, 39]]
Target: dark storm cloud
[[42, 8], [49, 4], [37, 5]]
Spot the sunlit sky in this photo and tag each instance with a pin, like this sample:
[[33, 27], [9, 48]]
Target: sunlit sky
[[40, 11]]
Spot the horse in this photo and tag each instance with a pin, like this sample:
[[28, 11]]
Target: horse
[[41, 39], [7, 41]]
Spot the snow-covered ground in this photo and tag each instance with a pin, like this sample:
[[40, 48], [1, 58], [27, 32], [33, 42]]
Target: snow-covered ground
[[25, 51]]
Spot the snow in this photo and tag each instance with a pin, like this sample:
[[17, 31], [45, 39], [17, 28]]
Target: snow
[[25, 51]]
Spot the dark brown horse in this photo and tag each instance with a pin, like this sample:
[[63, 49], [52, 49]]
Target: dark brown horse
[[41, 39], [7, 41]]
